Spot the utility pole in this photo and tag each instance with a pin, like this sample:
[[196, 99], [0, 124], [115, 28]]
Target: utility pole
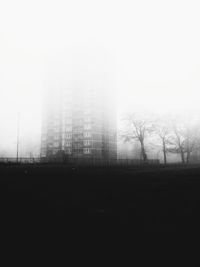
[[18, 124]]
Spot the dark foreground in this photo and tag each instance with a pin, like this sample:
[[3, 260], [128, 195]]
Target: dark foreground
[[144, 199]]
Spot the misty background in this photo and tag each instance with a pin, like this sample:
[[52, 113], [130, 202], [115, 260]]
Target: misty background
[[150, 49]]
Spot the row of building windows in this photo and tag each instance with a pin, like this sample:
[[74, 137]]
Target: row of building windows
[[78, 138], [85, 143], [85, 135], [81, 142], [86, 150], [69, 128], [55, 146], [78, 151]]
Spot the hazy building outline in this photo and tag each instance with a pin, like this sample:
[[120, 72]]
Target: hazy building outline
[[80, 124]]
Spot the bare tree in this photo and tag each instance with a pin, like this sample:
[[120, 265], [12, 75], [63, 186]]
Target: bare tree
[[163, 132], [178, 142], [185, 138], [139, 128], [194, 155]]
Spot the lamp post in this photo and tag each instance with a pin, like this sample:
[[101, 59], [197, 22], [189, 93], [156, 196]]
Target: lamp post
[[18, 124]]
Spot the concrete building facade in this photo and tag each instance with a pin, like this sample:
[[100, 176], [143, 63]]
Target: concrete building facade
[[80, 125]]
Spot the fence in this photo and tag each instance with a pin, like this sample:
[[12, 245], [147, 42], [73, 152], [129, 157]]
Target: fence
[[78, 161], [20, 160]]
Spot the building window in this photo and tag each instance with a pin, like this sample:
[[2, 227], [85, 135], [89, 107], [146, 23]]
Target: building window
[[87, 150], [77, 129], [68, 151], [87, 126], [69, 135], [78, 145], [87, 143], [68, 143], [68, 128], [87, 134]]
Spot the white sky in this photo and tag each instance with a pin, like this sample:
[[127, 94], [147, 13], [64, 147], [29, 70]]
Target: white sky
[[154, 47]]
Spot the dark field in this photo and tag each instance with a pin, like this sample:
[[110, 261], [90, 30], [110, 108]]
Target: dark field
[[144, 199]]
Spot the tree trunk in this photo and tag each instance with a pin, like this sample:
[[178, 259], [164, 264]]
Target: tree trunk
[[182, 156], [144, 155], [188, 152], [188, 157], [164, 153]]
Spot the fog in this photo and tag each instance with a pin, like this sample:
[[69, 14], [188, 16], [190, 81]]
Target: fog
[[147, 51]]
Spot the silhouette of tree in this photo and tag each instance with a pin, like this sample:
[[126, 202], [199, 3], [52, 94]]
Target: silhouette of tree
[[139, 128]]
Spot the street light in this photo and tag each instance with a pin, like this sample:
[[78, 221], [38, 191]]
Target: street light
[[18, 124]]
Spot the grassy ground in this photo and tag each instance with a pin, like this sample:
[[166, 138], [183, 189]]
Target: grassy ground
[[152, 198]]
